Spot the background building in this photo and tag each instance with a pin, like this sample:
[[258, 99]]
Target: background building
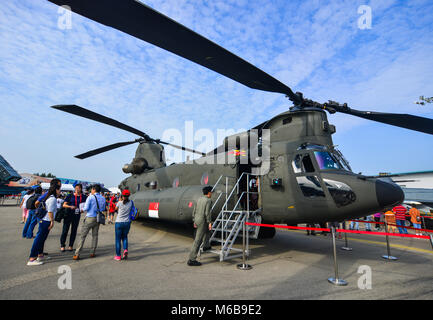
[[417, 186]]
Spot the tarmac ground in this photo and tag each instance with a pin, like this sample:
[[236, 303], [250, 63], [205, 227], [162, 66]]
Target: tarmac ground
[[292, 265]]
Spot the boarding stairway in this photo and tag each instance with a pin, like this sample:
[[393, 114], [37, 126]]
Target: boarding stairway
[[230, 222]]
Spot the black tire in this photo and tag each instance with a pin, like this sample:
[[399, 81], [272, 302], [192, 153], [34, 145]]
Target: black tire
[[266, 233]]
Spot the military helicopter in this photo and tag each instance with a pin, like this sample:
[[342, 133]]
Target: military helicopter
[[308, 179]]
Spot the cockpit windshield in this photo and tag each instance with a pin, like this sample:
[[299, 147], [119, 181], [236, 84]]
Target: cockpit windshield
[[342, 160], [326, 161]]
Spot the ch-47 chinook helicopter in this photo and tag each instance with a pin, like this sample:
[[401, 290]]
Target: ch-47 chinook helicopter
[[308, 179]]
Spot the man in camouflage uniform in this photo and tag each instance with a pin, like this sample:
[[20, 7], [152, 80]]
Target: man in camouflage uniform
[[201, 216]]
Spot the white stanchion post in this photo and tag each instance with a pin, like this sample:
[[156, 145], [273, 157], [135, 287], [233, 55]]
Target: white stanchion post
[[388, 256], [423, 223], [346, 244], [336, 281], [244, 265]]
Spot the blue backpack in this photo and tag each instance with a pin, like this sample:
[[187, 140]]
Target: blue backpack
[[133, 214], [41, 211]]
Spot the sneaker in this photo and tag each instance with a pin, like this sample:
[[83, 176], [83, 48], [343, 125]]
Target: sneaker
[[207, 249], [92, 255], [76, 258], [34, 263], [194, 263], [117, 258], [43, 258], [125, 255]]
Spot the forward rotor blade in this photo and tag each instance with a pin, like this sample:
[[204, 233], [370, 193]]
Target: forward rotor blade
[[104, 149], [143, 22], [81, 112], [182, 148], [407, 121]]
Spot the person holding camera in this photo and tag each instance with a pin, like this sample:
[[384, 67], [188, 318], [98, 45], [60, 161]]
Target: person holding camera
[[123, 224]]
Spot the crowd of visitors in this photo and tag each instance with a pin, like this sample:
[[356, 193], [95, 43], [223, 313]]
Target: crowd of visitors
[[43, 209]]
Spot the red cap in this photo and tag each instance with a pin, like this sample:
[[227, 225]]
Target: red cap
[[126, 193]]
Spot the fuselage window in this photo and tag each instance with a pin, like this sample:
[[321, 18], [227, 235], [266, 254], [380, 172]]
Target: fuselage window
[[138, 187], [310, 186]]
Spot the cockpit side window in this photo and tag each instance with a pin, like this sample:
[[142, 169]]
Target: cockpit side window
[[308, 164], [302, 164]]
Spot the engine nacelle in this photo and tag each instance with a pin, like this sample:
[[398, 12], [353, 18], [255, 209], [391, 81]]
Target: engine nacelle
[[137, 166]]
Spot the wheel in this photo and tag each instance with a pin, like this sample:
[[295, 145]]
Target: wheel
[[266, 233]]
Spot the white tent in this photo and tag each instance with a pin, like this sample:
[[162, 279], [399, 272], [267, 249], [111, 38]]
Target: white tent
[[114, 190], [65, 187]]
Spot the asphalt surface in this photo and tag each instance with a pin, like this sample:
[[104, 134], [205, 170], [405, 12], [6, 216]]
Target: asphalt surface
[[290, 266]]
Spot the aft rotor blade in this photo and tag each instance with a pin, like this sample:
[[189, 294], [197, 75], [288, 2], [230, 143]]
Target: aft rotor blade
[[82, 112], [104, 149], [143, 22], [182, 148], [407, 121]]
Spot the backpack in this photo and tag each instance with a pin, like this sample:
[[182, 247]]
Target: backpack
[[133, 214], [30, 203], [41, 211]]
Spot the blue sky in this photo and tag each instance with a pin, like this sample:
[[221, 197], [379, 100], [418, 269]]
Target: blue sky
[[312, 46]]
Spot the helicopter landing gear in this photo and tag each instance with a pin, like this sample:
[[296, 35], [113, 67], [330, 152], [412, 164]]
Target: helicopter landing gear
[[266, 233]]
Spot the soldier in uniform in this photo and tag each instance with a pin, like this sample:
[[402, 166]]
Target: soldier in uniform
[[201, 217]]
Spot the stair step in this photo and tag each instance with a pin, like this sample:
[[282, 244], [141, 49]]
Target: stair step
[[219, 240], [218, 252], [228, 230]]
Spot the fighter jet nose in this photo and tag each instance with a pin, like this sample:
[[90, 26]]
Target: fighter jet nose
[[388, 194]]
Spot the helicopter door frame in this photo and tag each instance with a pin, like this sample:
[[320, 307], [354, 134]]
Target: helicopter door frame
[[241, 168]]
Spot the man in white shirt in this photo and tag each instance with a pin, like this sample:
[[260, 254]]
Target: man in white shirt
[[95, 203]]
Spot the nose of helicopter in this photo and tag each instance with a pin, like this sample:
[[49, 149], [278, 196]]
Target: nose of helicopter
[[388, 194]]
